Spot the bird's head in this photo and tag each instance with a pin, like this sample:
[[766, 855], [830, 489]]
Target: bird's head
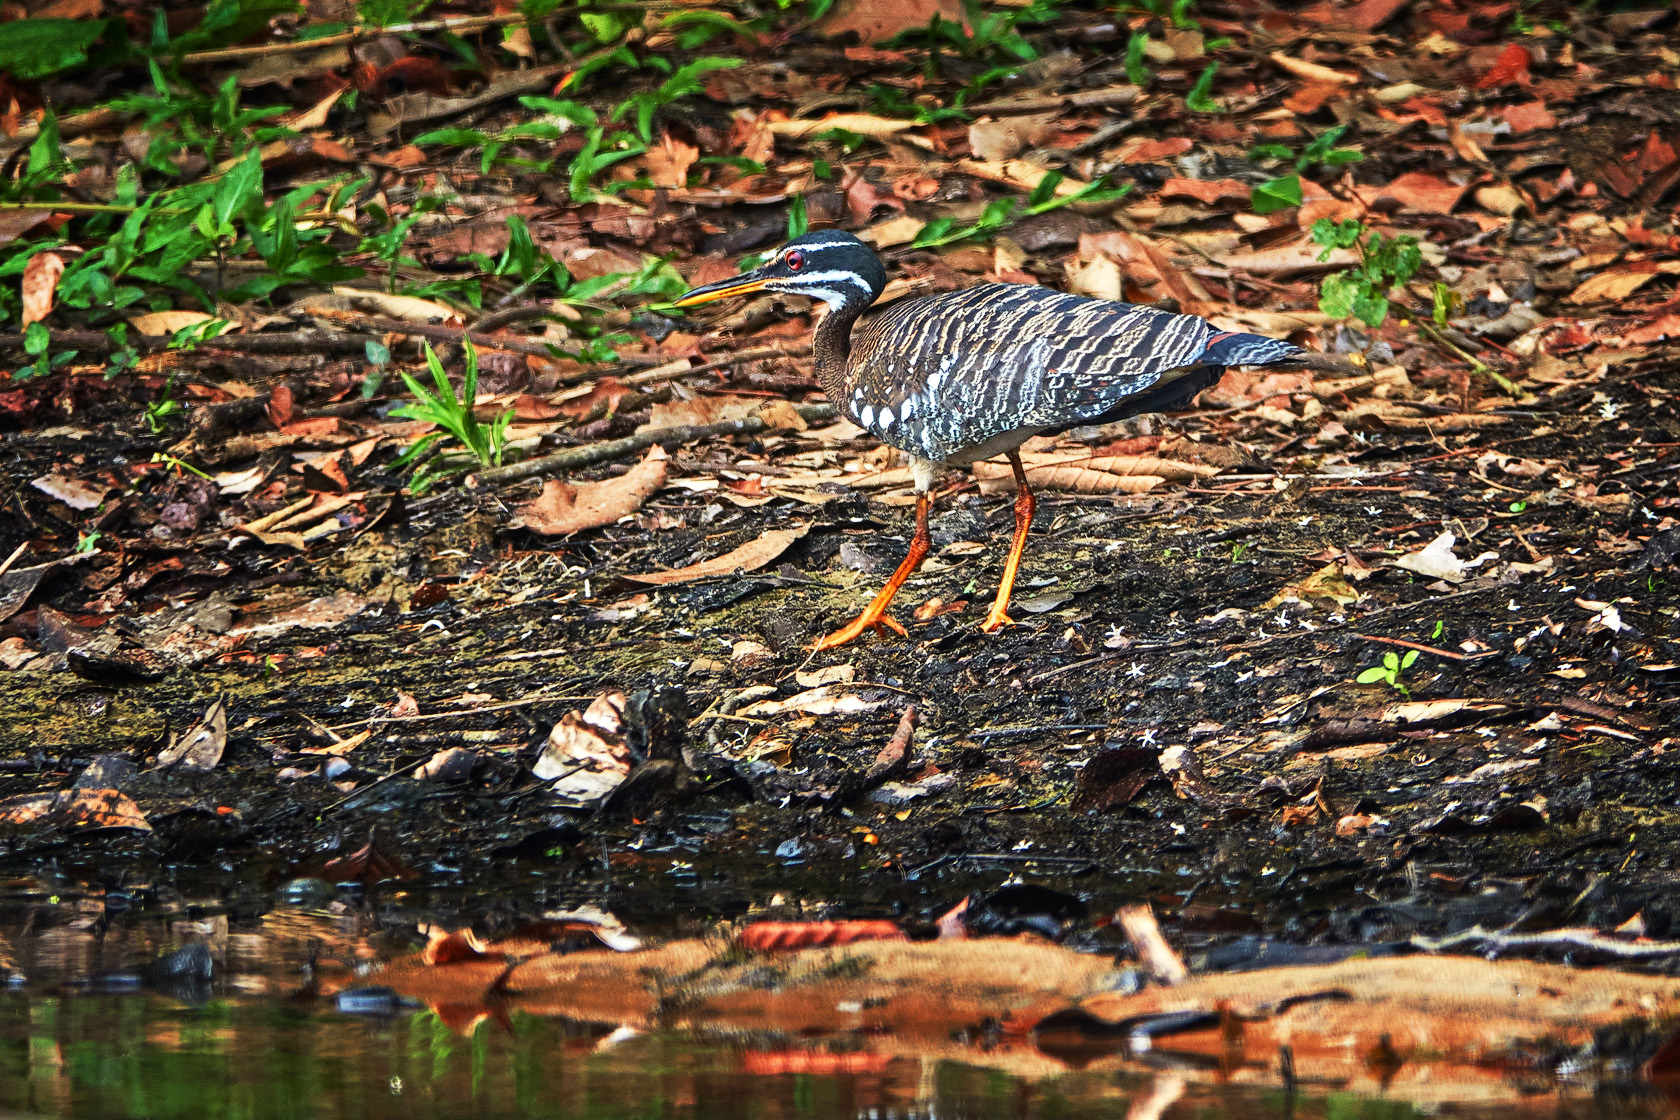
[[825, 265]]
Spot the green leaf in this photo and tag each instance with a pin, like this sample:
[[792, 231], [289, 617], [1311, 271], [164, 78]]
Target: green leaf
[[1046, 189], [1391, 662], [605, 26], [454, 137], [1411, 656], [1370, 307], [1338, 293], [36, 339], [37, 48], [1136, 72], [1276, 194], [1268, 151], [238, 188], [799, 223], [1200, 99], [1372, 675]]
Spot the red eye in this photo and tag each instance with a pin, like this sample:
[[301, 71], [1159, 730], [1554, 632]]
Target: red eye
[[795, 260]]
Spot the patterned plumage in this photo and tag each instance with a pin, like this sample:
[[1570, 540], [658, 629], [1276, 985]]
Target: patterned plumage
[[970, 375]]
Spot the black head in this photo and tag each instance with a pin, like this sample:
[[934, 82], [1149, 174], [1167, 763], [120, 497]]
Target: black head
[[828, 265]]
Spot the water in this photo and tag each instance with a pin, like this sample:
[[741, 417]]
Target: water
[[239, 1027]]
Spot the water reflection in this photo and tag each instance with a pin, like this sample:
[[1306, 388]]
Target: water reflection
[[206, 1017]]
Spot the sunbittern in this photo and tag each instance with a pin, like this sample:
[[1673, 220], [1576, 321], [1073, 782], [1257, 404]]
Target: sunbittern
[[974, 374]]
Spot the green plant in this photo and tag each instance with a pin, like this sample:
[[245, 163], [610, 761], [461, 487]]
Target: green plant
[[491, 145], [482, 444], [1390, 672], [1518, 507], [1440, 628], [163, 406], [1361, 292], [1285, 190], [999, 213], [1200, 98], [87, 542], [1237, 549], [1136, 51], [683, 83]]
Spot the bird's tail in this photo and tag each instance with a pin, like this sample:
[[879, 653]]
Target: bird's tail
[[1233, 348]]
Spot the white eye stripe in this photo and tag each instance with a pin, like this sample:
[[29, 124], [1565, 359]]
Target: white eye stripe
[[824, 245], [834, 276]]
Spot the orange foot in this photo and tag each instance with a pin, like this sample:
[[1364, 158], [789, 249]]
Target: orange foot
[[868, 620], [997, 620]]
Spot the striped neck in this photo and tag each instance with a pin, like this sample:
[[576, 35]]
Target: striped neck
[[832, 342]]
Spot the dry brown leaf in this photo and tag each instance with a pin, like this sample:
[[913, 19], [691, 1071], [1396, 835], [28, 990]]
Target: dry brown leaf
[[1312, 71], [669, 160], [1017, 173], [40, 281], [748, 558], [999, 478], [1615, 284], [563, 509], [168, 322], [1418, 190], [410, 309], [874, 20], [864, 124], [585, 756], [1000, 139], [1299, 256], [73, 492]]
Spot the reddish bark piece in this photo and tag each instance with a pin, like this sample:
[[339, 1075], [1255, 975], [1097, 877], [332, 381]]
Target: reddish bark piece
[[1511, 66], [1419, 190], [75, 810], [455, 946], [563, 509], [1144, 150], [1209, 191], [1158, 958], [769, 937], [1528, 117]]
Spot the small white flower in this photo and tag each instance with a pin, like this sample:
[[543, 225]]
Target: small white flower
[[1148, 737], [1137, 670]]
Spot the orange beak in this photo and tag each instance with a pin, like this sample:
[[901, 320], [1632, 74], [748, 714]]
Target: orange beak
[[723, 289]]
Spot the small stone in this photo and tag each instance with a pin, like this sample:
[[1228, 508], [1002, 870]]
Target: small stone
[[748, 654]]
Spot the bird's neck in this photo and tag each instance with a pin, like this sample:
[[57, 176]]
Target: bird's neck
[[832, 345]]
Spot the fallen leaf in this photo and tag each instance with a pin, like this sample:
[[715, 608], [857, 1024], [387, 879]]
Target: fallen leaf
[[73, 492], [825, 700], [202, 746], [864, 124], [669, 160], [748, 558], [1209, 191], [1312, 71], [75, 810], [585, 756], [40, 281], [563, 509], [168, 322]]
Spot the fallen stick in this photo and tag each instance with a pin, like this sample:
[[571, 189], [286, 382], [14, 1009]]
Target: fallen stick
[[611, 450]]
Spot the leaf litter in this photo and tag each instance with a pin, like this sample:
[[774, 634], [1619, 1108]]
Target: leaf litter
[[214, 494]]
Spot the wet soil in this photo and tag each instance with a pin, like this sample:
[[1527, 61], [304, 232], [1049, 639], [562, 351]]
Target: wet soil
[[1044, 752]]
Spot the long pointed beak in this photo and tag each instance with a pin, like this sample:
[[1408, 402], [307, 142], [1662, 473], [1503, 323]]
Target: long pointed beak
[[735, 286]]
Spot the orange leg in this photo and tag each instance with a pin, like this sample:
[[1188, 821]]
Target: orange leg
[[1025, 504], [875, 615]]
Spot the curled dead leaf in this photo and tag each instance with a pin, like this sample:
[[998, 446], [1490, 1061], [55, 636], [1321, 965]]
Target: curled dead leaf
[[40, 281], [562, 508], [748, 558]]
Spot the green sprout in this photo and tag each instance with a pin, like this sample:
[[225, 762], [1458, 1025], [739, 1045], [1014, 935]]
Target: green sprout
[[1389, 671], [482, 444]]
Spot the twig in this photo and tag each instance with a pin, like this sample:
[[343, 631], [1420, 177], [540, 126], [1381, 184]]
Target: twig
[[1163, 964], [593, 453], [1476, 363], [6, 564], [1447, 653], [1577, 938], [456, 26]]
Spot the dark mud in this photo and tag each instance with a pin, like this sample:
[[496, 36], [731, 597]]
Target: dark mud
[[1296, 810]]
